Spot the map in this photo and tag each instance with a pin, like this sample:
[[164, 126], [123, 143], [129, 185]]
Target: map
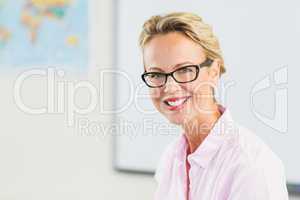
[[44, 33]]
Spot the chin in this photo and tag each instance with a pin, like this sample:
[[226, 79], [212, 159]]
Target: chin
[[177, 120]]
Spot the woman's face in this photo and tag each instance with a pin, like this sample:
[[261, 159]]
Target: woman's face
[[179, 102]]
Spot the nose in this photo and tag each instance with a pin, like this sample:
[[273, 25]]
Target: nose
[[171, 85]]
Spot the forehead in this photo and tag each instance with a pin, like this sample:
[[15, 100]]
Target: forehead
[[166, 51]]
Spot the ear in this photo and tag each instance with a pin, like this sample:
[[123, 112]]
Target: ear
[[214, 70]]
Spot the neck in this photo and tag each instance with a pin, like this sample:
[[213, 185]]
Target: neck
[[197, 129]]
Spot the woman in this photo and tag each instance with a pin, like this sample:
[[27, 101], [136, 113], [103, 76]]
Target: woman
[[214, 158]]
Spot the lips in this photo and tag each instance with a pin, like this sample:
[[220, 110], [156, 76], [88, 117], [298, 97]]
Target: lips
[[175, 103]]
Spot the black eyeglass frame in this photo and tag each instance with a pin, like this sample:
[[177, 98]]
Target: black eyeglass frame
[[206, 63]]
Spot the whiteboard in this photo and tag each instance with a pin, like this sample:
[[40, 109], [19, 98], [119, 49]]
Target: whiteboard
[[260, 42]]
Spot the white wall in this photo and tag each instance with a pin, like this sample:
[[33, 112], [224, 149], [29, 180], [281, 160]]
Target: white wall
[[42, 158]]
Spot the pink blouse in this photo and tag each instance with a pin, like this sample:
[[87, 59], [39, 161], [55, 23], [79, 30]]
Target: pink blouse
[[231, 164]]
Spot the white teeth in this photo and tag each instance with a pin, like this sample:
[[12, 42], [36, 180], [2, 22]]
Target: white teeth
[[176, 103]]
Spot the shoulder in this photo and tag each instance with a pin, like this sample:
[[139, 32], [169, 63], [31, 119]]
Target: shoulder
[[254, 150], [166, 158], [256, 165]]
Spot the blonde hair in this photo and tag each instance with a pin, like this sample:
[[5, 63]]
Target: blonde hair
[[189, 24]]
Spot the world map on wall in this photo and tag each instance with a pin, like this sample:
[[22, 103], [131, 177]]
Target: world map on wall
[[44, 33]]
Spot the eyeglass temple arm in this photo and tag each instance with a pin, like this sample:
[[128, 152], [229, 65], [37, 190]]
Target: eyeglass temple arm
[[207, 62]]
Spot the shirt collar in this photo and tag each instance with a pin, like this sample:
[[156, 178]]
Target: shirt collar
[[222, 129]]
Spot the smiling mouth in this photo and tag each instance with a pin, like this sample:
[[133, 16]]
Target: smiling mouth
[[175, 104]]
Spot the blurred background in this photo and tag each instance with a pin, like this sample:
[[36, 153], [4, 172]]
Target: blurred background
[[44, 154], [40, 156]]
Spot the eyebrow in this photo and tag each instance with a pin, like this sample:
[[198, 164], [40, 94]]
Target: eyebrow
[[176, 66]]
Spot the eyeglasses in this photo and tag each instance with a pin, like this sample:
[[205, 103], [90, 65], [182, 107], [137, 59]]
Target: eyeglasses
[[183, 74]]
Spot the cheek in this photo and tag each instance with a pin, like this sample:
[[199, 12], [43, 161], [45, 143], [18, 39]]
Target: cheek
[[155, 95], [200, 86]]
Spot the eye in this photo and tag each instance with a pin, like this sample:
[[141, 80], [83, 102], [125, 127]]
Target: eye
[[155, 75], [186, 70]]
